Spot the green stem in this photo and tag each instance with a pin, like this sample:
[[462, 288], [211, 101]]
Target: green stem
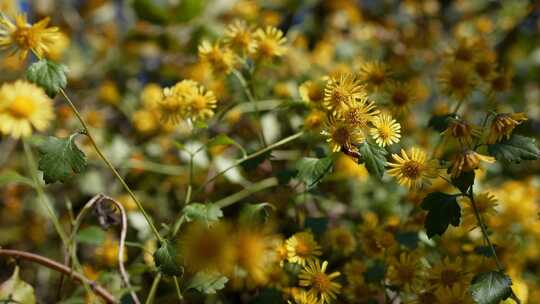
[[111, 167], [251, 156], [264, 184], [32, 168], [485, 235], [153, 289], [251, 99], [177, 287]]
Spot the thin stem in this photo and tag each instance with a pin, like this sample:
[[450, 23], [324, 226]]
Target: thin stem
[[153, 289], [32, 168], [264, 184], [251, 99], [251, 156], [98, 289], [111, 167], [485, 235], [177, 287]]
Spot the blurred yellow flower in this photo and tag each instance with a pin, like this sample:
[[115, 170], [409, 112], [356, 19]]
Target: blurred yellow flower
[[24, 105], [503, 124], [374, 75], [486, 204], [302, 248], [457, 80], [220, 58], [240, 37], [270, 43]]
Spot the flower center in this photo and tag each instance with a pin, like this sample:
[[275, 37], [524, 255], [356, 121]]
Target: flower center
[[341, 135], [321, 282], [400, 98], [198, 103], [449, 277], [458, 81], [24, 37], [411, 169], [21, 107], [302, 249]]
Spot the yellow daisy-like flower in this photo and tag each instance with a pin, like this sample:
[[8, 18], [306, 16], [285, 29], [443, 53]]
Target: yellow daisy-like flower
[[302, 248], [374, 74], [467, 161], [401, 95], [467, 50], [446, 274], [314, 120], [24, 105], [240, 37], [340, 93], [462, 131], [312, 92], [21, 37], [486, 204], [220, 58], [360, 113], [341, 135], [386, 130], [423, 297], [270, 43], [457, 294], [174, 104], [502, 81], [405, 271], [503, 124], [415, 170], [151, 95], [201, 103], [340, 240], [485, 65], [457, 80], [321, 284], [304, 297]]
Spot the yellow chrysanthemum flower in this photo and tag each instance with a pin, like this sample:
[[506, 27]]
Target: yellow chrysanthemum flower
[[240, 37], [151, 95], [415, 170], [21, 37], [457, 80], [423, 297], [467, 161], [374, 75], [201, 103], [446, 274], [314, 121], [486, 204], [360, 113], [340, 240], [304, 297], [321, 284], [302, 248], [341, 135], [405, 271], [340, 92], [461, 131], [386, 130], [220, 58], [312, 92], [503, 124], [24, 105], [401, 95], [207, 248], [173, 106], [270, 43], [458, 293]]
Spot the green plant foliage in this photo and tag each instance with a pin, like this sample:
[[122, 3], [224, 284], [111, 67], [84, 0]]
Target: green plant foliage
[[49, 75], [443, 210], [491, 287], [515, 149], [208, 282], [312, 170], [17, 290], [60, 159]]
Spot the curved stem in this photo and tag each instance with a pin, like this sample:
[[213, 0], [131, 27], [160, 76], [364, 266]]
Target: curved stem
[[98, 289], [111, 167]]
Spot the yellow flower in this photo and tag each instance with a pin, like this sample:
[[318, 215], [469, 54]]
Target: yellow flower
[[415, 170], [174, 105], [340, 92], [21, 37], [457, 80], [151, 95], [321, 284], [467, 50], [341, 135], [312, 92], [207, 248], [221, 59], [503, 124], [502, 81], [457, 294], [386, 130], [201, 103], [423, 297], [374, 74], [405, 271], [360, 113], [270, 43], [304, 297], [108, 92], [340, 240], [467, 161], [240, 37], [314, 120], [485, 205], [446, 274], [108, 252], [24, 105], [401, 95], [462, 131], [485, 65], [302, 248], [145, 121]]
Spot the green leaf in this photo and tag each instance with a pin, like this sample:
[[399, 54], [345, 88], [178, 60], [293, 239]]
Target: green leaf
[[189, 9], [317, 225], [515, 149], [256, 212], [151, 12], [60, 158], [375, 273], [286, 175], [443, 210], [17, 290], [49, 75], [490, 287], [408, 239], [374, 158], [464, 181], [441, 122], [312, 170], [166, 259], [207, 213], [208, 282], [9, 176], [221, 139], [92, 235]]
